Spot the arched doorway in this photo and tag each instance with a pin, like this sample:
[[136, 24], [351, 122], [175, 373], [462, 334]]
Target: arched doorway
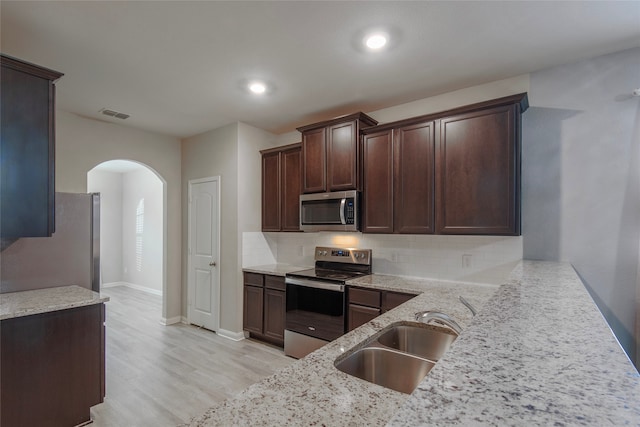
[[132, 226]]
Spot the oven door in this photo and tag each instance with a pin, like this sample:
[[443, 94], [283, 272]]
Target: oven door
[[315, 310]]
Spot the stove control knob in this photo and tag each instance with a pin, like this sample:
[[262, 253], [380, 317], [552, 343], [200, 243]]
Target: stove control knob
[[319, 253], [324, 253]]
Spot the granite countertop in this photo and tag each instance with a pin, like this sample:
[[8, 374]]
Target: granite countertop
[[538, 353], [26, 303], [274, 269]]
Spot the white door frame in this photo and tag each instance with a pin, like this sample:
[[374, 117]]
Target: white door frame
[[190, 277]]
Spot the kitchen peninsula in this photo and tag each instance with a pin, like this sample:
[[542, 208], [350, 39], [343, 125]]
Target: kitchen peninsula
[[538, 353], [52, 355]]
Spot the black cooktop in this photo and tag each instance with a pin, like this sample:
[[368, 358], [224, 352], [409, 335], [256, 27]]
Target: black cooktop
[[327, 274]]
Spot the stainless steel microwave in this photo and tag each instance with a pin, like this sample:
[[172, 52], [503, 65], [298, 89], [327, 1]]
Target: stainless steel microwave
[[337, 211]]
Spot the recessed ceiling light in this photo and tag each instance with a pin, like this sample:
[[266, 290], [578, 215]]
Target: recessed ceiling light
[[375, 41], [257, 87]]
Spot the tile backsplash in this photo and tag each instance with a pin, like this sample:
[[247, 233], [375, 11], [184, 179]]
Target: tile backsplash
[[484, 259]]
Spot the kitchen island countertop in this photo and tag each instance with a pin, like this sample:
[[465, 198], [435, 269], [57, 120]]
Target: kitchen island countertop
[[38, 301], [538, 353]]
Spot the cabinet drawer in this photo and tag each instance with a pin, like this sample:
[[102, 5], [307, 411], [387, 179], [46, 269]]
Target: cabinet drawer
[[391, 300], [364, 297], [274, 282], [253, 279], [359, 315]]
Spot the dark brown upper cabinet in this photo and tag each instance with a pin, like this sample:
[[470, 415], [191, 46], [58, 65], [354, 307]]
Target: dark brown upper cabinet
[[398, 191], [377, 192], [478, 172], [27, 149], [281, 188], [330, 154], [455, 172]]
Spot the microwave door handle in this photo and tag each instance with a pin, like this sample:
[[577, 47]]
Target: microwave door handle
[[343, 202]]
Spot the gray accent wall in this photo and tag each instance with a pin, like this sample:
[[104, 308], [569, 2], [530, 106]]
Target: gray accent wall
[[581, 181]]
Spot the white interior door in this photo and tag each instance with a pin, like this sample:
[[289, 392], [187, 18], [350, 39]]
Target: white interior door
[[204, 249]]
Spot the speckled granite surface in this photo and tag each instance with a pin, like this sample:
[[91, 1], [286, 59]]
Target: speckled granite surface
[[18, 304], [538, 353], [274, 269]]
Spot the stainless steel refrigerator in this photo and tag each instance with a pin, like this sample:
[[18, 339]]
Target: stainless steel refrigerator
[[71, 256]]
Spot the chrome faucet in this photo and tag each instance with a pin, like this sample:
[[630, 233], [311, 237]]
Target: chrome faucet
[[468, 305], [438, 317]]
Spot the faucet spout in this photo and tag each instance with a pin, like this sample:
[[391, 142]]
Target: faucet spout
[[438, 317]]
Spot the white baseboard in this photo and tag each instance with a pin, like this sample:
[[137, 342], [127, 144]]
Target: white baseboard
[[171, 320], [133, 286], [234, 336], [184, 320]]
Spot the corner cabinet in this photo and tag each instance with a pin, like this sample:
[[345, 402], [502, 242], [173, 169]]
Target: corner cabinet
[[331, 154], [366, 304], [27, 149], [478, 172], [281, 188], [264, 307], [455, 172]]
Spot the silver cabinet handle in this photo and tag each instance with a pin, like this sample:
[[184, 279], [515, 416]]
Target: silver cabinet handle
[[212, 263]]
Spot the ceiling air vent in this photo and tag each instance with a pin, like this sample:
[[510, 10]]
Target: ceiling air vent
[[115, 114]]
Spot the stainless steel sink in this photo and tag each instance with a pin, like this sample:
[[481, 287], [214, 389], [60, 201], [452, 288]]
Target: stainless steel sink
[[389, 368], [399, 358], [424, 342]]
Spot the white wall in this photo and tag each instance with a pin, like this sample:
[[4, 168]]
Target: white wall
[[215, 153], [231, 152], [142, 259], [581, 185], [109, 185], [83, 143], [490, 259], [437, 103]]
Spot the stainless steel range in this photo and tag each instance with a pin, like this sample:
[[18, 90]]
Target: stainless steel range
[[316, 303]]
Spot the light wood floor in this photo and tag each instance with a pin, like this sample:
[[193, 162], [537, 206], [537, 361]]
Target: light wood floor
[[163, 375]]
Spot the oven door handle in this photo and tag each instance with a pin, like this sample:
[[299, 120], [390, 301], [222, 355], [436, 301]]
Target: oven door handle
[[314, 284]]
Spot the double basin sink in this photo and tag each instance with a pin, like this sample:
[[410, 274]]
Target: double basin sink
[[399, 357]]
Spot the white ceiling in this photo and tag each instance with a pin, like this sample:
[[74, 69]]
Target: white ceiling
[[178, 67]]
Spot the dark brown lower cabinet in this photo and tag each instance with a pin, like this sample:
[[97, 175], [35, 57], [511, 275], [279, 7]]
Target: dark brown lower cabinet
[[359, 315], [367, 304], [264, 307], [52, 367]]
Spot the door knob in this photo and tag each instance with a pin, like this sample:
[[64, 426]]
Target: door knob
[[212, 263]]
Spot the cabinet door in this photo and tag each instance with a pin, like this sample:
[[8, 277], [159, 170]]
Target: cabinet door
[[290, 189], [359, 315], [274, 309], [271, 192], [414, 179], [391, 300], [377, 197], [52, 367], [477, 157], [253, 303], [342, 154], [27, 155], [314, 161]]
